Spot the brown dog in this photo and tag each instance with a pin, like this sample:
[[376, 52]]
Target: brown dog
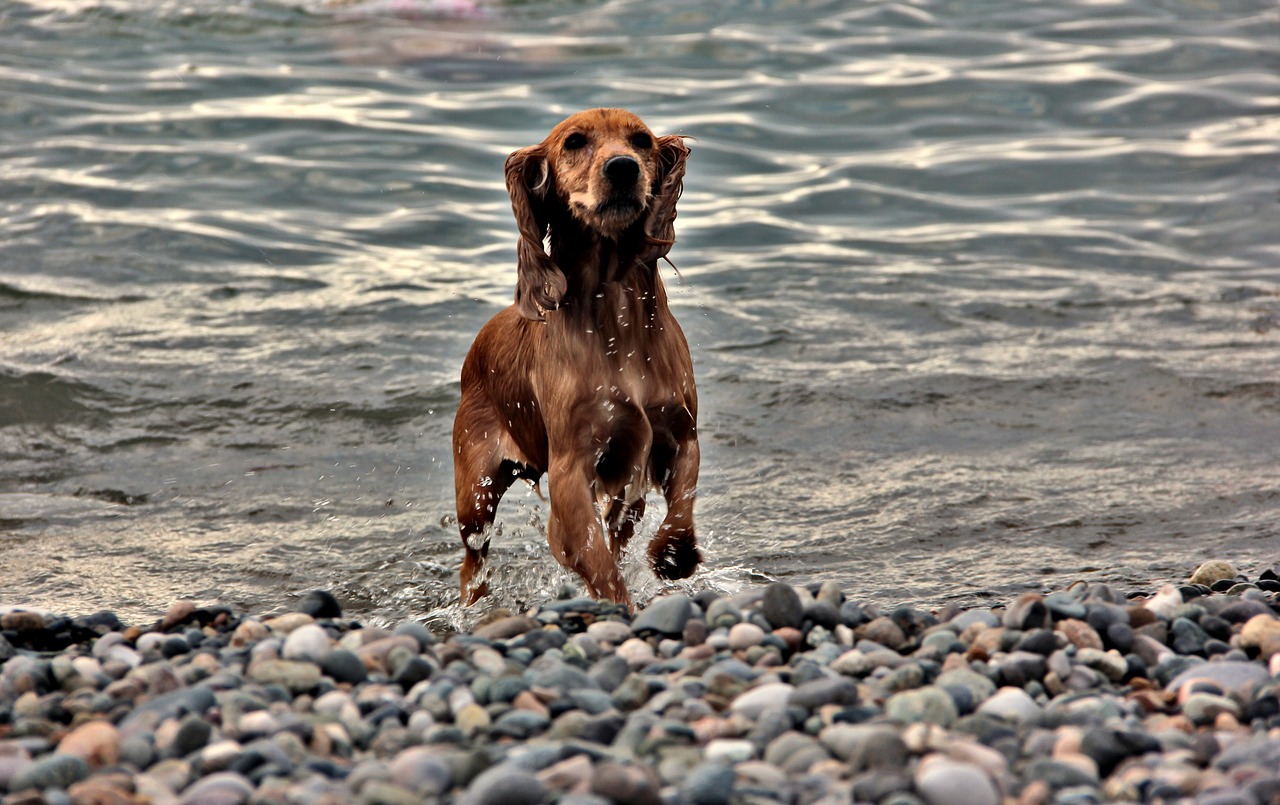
[[587, 377]]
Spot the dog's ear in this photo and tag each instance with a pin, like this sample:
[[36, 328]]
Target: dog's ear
[[540, 284], [659, 227]]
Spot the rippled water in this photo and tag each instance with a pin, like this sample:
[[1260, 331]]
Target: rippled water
[[982, 295]]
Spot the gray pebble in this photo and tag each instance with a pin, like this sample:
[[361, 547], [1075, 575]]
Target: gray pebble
[[51, 771], [666, 615], [781, 606]]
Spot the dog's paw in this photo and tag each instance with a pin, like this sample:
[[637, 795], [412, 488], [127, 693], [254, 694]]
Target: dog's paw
[[674, 558]]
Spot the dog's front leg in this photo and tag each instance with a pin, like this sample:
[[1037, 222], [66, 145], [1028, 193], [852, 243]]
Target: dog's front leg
[[576, 533]]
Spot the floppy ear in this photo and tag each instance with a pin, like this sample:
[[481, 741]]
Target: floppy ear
[[540, 284], [659, 227]]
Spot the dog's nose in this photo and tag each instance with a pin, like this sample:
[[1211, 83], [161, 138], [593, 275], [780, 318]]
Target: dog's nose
[[622, 170]]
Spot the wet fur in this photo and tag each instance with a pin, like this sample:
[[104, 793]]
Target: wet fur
[[587, 376]]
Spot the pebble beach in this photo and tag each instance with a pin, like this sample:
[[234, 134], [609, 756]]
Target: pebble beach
[[802, 695]]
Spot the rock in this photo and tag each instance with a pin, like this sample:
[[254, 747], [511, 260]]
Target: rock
[[624, 785], [297, 677], [193, 734], [1027, 613], [421, 771], [929, 704], [1202, 708], [708, 784], [866, 746], [342, 665], [95, 742], [614, 632], [825, 691], [666, 615], [1080, 634], [1011, 704], [978, 686], [781, 606], [220, 788], [51, 771], [1213, 571], [506, 784], [884, 631], [1237, 679], [507, 628], [729, 750], [743, 636], [723, 614], [308, 643], [1261, 633], [943, 781], [762, 697], [320, 604]]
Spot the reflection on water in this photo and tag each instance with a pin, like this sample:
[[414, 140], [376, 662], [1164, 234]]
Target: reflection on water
[[981, 296]]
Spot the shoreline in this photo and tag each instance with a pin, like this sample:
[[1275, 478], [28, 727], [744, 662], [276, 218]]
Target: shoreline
[[779, 694]]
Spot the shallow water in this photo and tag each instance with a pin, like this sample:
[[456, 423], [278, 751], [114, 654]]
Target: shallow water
[[982, 295]]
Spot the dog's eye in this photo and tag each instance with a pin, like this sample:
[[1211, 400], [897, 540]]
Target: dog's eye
[[575, 141], [642, 140]]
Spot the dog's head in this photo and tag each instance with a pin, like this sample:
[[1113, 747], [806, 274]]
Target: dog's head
[[604, 171]]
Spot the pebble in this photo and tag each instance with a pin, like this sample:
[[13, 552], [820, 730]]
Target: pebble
[[943, 781], [778, 694]]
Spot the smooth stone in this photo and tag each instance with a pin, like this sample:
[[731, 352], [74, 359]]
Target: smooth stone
[[320, 604], [866, 746], [723, 614], [781, 606], [708, 784], [520, 724], [729, 750], [1202, 708], [885, 631], [1237, 679], [943, 781], [973, 616], [1213, 571], [506, 628], [1065, 605], [625, 784], [220, 788], [1028, 612], [762, 697], [1108, 748], [193, 734], [51, 771], [505, 784], [1011, 704], [422, 771], [666, 615], [609, 672], [824, 691], [308, 643], [297, 677], [637, 653], [743, 636], [929, 704], [615, 632], [979, 686], [342, 665], [97, 742]]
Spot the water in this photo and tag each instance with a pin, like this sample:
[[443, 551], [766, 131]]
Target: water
[[983, 296]]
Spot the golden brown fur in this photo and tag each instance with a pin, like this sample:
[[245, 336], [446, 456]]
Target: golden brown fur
[[587, 377]]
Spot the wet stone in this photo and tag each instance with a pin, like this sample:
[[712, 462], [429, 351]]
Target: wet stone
[[781, 606], [666, 615]]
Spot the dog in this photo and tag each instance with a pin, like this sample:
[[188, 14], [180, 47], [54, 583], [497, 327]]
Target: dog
[[587, 376]]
